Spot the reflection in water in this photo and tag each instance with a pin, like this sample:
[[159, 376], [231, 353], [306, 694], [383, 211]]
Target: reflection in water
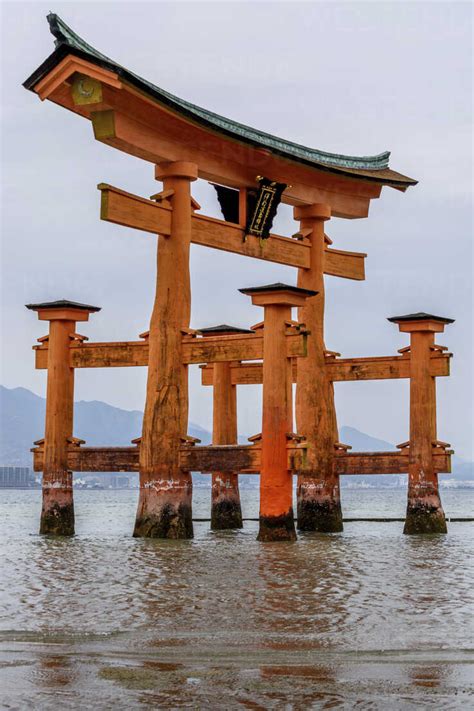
[[222, 620]]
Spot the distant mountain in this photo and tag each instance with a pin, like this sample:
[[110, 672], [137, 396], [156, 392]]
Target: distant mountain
[[22, 421], [361, 442]]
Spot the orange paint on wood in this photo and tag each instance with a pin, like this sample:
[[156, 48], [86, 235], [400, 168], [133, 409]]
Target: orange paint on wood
[[319, 505], [341, 369], [164, 507]]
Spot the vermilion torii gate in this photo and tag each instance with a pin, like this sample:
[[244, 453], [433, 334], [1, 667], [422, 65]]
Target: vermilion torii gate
[[186, 142]]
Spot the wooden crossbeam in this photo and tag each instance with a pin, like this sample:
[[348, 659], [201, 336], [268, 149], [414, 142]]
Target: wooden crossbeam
[[129, 210], [195, 350], [242, 459], [342, 369]]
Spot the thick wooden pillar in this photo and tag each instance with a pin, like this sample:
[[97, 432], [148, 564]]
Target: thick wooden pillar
[[57, 513], [164, 506], [276, 481], [226, 511], [424, 510], [318, 493]]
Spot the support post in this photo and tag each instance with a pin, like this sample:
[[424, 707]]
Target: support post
[[226, 511], [318, 492], [424, 509], [164, 505], [57, 512], [276, 481]]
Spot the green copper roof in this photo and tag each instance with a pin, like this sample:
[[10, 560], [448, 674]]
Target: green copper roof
[[370, 167]]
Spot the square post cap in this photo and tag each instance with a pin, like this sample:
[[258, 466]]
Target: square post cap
[[63, 310], [223, 330], [421, 321], [278, 294]]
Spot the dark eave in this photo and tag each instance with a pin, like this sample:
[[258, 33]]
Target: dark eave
[[372, 168], [222, 328], [62, 304], [419, 316], [277, 286]]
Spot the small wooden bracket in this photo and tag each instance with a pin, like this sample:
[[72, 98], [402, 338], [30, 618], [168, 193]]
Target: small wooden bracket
[[403, 445], [192, 332], [436, 347], [136, 441], [438, 444], [43, 339], [194, 204], [302, 234], [404, 351], [295, 437], [257, 326], [144, 335], [327, 239], [75, 441], [39, 442], [341, 447], [331, 355], [162, 197], [299, 326], [78, 337], [190, 441], [255, 438]]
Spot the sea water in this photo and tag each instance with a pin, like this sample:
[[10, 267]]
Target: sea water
[[366, 619]]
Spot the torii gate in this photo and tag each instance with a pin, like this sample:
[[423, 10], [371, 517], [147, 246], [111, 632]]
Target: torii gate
[[186, 142]]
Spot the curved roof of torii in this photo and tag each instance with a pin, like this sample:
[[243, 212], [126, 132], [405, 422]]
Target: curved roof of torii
[[372, 168]]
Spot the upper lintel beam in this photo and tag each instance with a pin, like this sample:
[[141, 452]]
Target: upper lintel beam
[[129, 210]]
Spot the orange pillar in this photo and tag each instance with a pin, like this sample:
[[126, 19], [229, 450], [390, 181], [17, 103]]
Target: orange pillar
[[164, 506], [276, 481], [424, 510], [226, 511], [318, 493], [57, 513]]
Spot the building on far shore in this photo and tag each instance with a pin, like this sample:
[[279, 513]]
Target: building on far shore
[[17, 478]]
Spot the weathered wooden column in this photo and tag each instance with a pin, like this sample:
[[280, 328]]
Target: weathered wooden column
[[226, 511], [164, 506], [424, 510], [57, 513], [318, 492], [276, 482]]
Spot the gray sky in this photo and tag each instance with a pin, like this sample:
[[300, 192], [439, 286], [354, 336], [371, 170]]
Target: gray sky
[[354, 78]]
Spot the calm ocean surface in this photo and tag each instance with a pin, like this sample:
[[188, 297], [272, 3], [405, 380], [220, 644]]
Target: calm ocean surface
[[366, 619]]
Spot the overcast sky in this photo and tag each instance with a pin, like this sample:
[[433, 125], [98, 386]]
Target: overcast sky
[[355, 78]]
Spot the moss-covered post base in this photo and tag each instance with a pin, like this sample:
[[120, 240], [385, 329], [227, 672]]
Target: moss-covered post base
[[57, 512], [165, 509], [226, 511], [317, 511], [424, 512], [277, 528]]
